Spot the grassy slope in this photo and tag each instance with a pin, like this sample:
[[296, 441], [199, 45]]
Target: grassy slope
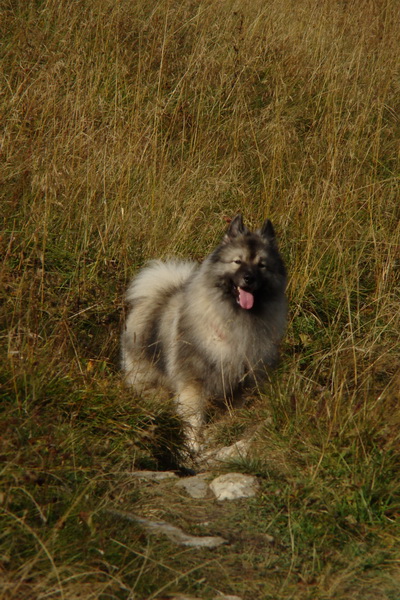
[[130, 129]]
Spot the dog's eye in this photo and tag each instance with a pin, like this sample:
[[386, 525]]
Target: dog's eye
[[237, 261], [262, 265]]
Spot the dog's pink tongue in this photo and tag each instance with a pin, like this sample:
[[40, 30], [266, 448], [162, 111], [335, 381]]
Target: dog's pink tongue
[[246, 299]]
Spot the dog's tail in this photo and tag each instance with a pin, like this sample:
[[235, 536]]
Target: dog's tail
[[159, 278]]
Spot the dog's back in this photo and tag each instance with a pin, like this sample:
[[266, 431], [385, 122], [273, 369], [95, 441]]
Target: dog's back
[[149, 294], [157, 280]]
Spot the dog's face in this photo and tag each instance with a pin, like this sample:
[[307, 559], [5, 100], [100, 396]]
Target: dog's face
[[247, 265]]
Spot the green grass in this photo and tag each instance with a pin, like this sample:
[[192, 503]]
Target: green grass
[[131, 130]]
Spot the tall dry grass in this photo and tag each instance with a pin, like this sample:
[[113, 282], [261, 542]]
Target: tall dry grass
[[131, 129]]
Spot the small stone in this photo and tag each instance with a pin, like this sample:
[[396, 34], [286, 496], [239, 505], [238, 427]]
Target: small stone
[[238, 450], [196, 487], [232, 486], [154, 475]]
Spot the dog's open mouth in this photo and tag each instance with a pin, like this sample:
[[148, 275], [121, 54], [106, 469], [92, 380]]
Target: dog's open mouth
[[244, 298]]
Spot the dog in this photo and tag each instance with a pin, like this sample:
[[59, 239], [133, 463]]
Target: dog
[[202, 331]]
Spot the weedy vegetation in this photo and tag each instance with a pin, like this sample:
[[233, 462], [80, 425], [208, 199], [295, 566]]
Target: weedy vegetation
[[130, 130]]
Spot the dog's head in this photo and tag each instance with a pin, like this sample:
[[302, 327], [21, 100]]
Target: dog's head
[[249, 267]]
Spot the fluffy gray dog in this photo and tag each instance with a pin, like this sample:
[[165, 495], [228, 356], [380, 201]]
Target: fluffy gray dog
[[202, 330]]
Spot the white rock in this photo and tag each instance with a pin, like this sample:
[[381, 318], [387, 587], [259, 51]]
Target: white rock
[[175, 534], [232, 486], [154, 475], [236, 451], [196, 487]]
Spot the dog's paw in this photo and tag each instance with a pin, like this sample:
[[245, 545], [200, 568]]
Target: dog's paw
[[194, 445]]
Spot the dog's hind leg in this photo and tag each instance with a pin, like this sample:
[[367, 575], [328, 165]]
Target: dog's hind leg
[[190, 406]]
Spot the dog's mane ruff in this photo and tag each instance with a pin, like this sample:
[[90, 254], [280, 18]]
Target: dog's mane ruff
[[247, 338], [160, 278]]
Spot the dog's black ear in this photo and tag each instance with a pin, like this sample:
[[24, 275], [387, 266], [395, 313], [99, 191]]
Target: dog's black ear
[[236, 228], [267, 230]]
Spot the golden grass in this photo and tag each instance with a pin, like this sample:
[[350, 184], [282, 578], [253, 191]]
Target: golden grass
[[130, 130]]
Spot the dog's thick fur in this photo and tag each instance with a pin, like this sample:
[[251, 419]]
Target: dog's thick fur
[[201, 330]]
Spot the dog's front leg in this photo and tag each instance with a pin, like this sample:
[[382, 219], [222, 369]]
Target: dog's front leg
[[190, 406]]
